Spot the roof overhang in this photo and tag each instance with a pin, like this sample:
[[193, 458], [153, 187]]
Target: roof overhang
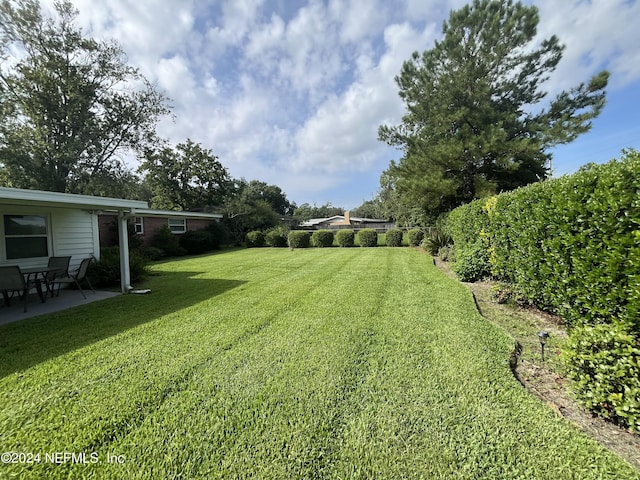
[[150, 212], [18, 196]]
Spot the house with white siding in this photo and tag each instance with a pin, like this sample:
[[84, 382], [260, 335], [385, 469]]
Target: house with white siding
[[36, 225]]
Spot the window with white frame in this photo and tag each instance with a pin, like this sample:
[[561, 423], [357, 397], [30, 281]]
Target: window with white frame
[[25, 236], [138, 225], [178, 225]]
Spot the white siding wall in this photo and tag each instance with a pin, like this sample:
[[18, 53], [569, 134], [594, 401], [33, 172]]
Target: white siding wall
[[71, 232]]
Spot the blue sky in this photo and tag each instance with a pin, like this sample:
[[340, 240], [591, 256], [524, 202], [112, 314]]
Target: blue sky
[[292, 92]]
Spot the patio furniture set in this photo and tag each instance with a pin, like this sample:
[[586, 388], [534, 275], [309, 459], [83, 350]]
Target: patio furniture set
[[17, 282]]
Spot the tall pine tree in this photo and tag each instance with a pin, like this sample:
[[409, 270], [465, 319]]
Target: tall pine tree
[[477, 119]]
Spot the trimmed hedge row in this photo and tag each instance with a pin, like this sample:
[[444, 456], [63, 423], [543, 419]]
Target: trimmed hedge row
[[393, 237], [345, 238], [368, 237], [322, 238], [571, 246], [299, 239]]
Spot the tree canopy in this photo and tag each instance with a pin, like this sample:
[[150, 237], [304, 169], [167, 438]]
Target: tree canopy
[[477, 118], [69, 105], [185, 177], [255, 191], [307, 211]]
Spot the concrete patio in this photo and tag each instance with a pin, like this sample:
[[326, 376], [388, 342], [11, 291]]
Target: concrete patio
[[67, 299]]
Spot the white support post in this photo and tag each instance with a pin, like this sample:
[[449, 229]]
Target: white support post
[[123, 234]]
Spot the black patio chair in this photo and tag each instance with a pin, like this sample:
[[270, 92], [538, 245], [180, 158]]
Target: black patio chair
[[61, 264], [76, 277], [11, 282]]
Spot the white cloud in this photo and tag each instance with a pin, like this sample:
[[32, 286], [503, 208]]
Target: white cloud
[[597, 34], [342, 134], [292, 92]]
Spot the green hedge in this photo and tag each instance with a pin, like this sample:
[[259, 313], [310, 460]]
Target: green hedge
[[298, 239], [604, 361], [276, 237], [415, 237], [197, 241], [322, 238], [345, 238], [106, 271], [394, 237], [368, 237], [468, 227], [255, 239], [571, 246]]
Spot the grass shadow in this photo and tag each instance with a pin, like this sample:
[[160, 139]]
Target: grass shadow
[[29, 342]]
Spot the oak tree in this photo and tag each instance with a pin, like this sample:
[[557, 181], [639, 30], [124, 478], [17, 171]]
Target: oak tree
[[71, 108]]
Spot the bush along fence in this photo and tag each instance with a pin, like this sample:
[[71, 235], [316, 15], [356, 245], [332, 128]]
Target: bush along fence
[[571, 246]]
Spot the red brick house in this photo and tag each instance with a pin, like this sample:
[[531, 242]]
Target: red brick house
[[147, 222]]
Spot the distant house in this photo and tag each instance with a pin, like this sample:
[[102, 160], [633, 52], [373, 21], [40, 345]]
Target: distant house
[[146, 223], [346, 221]]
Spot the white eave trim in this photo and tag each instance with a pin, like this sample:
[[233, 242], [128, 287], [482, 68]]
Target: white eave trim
[[18, 196], [150, 212]]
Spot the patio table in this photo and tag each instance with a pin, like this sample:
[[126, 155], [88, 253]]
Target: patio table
[[38, 271]]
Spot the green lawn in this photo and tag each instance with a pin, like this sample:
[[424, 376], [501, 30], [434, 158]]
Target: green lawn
[[270, 363]]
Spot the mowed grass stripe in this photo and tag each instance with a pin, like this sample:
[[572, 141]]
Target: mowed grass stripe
[[320, 363], [147, 371], [301, 402]]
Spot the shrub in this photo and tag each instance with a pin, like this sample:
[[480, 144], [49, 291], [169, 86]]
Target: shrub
[[394, 237], [322, 238], [368, 237], [197, 241], [471, 263], [345, 238], [220, 234], [153, 253], [167, 242], [276, 237], [446, 254], [106, 271], [436, 240], [569, 245], [415, 237], [255, 239], [602, 361], [298, 239]]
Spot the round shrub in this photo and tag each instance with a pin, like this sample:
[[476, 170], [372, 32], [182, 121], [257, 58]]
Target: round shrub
[[322, 238], [345, 238], [197, 241], [153, 253], [299, 239], [472, 263], [276, 238], [394, 237], [220, 234], [602, 361], [106, 271], [368, 237], [415, 236], [255, 239], [168, 242]]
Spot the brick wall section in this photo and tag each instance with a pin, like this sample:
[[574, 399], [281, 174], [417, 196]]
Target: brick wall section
[[109, 230], [108, 227]]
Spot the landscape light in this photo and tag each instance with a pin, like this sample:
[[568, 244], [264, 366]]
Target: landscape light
[[543, 335]]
